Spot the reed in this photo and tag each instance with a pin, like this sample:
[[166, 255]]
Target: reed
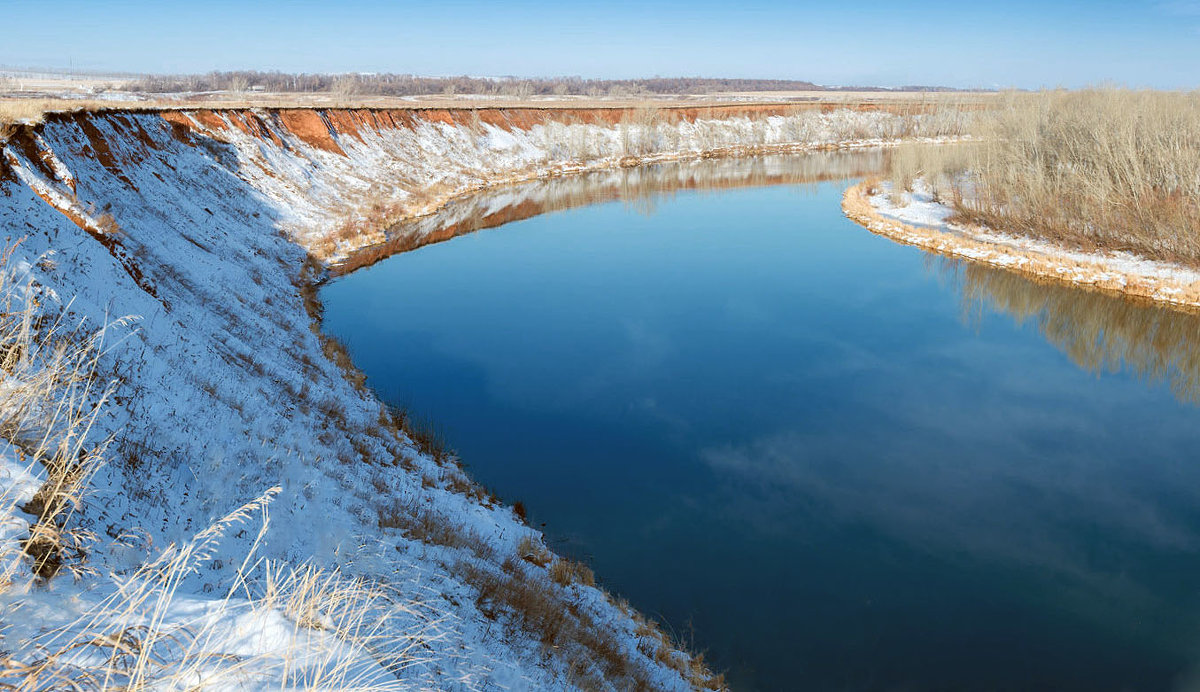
[[1106, 168]]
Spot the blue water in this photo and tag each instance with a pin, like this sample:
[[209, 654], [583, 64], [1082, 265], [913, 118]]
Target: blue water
[[827, 460]]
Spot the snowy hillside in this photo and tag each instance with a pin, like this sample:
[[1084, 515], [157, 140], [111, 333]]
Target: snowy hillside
[[207, 230]]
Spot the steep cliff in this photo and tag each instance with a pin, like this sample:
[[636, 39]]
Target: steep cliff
[[208, 229]]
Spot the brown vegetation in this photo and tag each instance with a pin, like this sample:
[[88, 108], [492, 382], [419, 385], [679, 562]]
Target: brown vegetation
[[519, 595], [565, 572], [1103, 168], [130, 640], [1094, 272], [51, 399], [542, 593]]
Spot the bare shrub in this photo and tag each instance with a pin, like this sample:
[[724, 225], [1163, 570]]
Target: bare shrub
[[1098, 168], [238, 84], [346, 85], [566, 572]]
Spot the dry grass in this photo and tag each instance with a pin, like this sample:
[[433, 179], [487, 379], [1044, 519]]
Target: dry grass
[[432, 528], [523, 598], [27, 110], [524, 595], [532, 551], [312, 629], [565, 572], [1101, 168], [425, 435], [319, 629], [376, 209], [50, 396]]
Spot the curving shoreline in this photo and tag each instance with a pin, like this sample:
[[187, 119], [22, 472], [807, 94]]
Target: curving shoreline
[[210, 227], [1158, 282], [418, 229], [349, 255]]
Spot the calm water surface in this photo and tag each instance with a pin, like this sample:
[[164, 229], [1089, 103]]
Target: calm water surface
[[828, 460]]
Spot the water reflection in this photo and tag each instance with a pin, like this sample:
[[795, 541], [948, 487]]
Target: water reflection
[[641, 187], [1098, 331], [754, 417]]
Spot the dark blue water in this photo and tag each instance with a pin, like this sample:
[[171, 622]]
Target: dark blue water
[[826, 459]]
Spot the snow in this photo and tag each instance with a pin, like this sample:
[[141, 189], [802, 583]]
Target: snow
[[1164, 281], [916, 206], [223, 390]]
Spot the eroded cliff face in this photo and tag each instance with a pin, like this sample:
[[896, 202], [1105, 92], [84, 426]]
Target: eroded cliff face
[[203, 227], [342, 176]]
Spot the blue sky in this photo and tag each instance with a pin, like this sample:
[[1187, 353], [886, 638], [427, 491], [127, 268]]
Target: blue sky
[[965, 43]]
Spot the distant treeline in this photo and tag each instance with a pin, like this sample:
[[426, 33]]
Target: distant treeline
[[412, 85]]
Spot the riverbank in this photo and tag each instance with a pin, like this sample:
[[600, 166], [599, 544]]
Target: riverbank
[[918, 220], [209, 228]]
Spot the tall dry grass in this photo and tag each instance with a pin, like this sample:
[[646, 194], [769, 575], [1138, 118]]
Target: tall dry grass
[[50, 398], [1098, 168], [278, 624], [296, 627]]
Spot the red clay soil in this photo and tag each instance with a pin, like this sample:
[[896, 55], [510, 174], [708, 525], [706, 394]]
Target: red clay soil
[[210, 119], [310, 127], [128, 127], [181, 127], [437, 115], [6, 175], [23, 141], [253, 125], [139, 132], [352, 122], [100, 147]]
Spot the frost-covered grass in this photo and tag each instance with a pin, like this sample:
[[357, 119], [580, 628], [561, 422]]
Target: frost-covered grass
[[50, 395], [1109, 169], [62, 625], [278, 625]]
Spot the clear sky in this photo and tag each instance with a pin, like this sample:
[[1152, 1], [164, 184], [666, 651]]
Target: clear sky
[[963, 43]]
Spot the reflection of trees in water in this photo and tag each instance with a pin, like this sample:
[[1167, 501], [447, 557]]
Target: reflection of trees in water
[[1097, 331], [642, 187]]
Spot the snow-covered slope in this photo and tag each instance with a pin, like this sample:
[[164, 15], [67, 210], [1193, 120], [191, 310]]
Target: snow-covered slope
[[203, 226]]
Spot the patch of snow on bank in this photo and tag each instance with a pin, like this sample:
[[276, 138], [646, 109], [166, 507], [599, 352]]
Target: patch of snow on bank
[[915, 206], [918, 207]]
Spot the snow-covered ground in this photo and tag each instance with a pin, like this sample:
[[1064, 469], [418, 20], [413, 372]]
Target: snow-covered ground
[[199, 227], [914, 217]]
